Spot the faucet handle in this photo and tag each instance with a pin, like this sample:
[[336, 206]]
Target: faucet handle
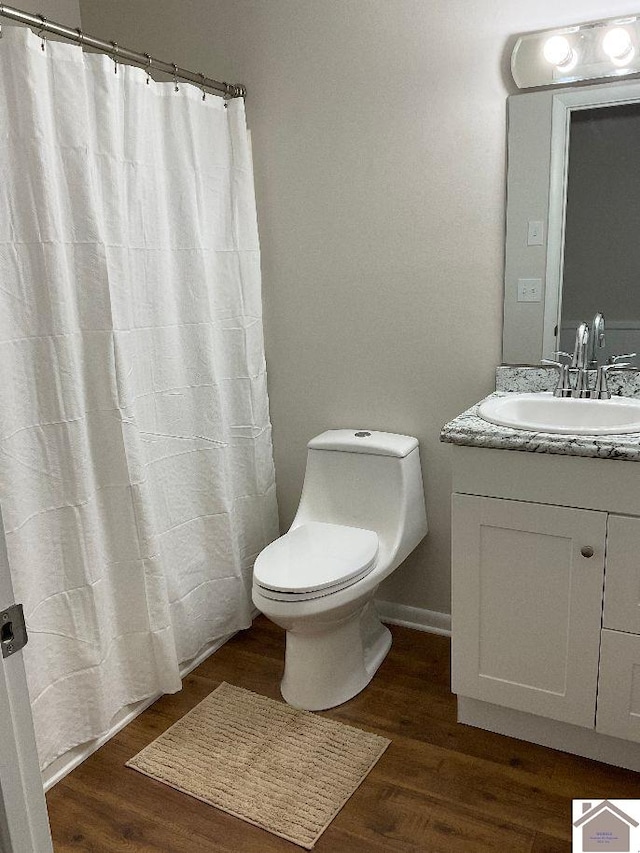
[[553, 361], [602, 388], [561, 354], [614, 359], [563, 388]]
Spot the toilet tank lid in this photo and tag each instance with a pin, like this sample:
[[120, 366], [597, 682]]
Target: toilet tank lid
[[364, 441]]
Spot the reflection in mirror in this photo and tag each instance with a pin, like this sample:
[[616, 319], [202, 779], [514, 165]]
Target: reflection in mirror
[[601, 270], [573, 219]]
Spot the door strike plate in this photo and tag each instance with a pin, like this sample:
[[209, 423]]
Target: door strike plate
[[13, 631]]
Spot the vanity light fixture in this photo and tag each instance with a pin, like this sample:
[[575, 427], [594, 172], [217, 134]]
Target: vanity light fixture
[[557, 51], [618, 46], [591, 51]]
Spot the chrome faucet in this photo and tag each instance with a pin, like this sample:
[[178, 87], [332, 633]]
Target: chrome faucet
[[579, 365], [596, 340], [579, 362]]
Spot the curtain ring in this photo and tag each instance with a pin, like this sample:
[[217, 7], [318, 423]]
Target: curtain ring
[[41, 31], [80, 37], [176, 88], [114, 56], [203, 78], [149, 61]]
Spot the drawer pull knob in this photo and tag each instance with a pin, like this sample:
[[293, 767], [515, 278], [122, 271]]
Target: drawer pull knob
[[586, 551]]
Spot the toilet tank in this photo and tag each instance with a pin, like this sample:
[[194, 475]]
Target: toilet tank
[[369, 479]]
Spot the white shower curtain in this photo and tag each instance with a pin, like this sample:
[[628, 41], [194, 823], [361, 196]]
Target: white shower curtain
[[136, 473]]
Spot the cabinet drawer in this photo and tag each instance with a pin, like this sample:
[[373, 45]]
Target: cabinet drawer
[[622, 576], [618, 711]]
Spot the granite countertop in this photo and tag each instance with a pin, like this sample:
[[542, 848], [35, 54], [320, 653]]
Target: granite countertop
[[471, 430]]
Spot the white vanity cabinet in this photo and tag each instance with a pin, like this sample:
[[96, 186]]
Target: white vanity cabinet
[[619, 684], [528, 605], [546, 598]]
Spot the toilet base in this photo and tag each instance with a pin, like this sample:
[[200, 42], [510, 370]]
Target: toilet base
[[334, 662]]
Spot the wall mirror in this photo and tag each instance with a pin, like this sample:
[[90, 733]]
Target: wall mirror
[[573, 219]]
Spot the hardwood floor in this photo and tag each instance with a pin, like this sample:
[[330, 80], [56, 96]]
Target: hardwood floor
[[440, 787]]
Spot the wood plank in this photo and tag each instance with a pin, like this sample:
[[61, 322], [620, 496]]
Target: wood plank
[[440, 786], [544, 844]]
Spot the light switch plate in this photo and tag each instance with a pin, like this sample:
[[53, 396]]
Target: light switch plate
[[529, 290], [535, 233]]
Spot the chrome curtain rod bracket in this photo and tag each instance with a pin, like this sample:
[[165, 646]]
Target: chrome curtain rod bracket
[[114, 56], [234, 90], [41, 31], [41, 25]]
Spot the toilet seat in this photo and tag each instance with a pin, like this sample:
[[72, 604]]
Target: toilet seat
[[315, 559]]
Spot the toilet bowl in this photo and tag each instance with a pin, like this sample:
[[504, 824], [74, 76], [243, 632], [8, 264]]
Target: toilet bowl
[[362, 511]]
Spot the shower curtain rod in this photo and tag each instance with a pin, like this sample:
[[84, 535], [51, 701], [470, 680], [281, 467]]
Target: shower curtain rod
[[113, 49]]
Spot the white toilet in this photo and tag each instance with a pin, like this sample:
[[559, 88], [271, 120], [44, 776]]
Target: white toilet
[[362, 511]]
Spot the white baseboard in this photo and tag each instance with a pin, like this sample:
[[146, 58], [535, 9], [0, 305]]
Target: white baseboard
[[414, 617], [67, 762]]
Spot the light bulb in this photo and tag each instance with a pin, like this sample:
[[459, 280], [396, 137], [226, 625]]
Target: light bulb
[[557, 51], [617, 45]]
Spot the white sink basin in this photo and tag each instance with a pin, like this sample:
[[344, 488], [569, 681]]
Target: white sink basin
[[542, 412]]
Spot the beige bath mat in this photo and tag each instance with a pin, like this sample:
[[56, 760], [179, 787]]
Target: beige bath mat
[[286, 771]]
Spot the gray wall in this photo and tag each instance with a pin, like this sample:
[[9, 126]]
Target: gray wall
[[379, 146], [65, 12]]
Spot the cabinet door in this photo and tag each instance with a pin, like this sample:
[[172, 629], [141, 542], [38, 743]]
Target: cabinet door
[[527, 605], [622, 577], [619, 686]]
